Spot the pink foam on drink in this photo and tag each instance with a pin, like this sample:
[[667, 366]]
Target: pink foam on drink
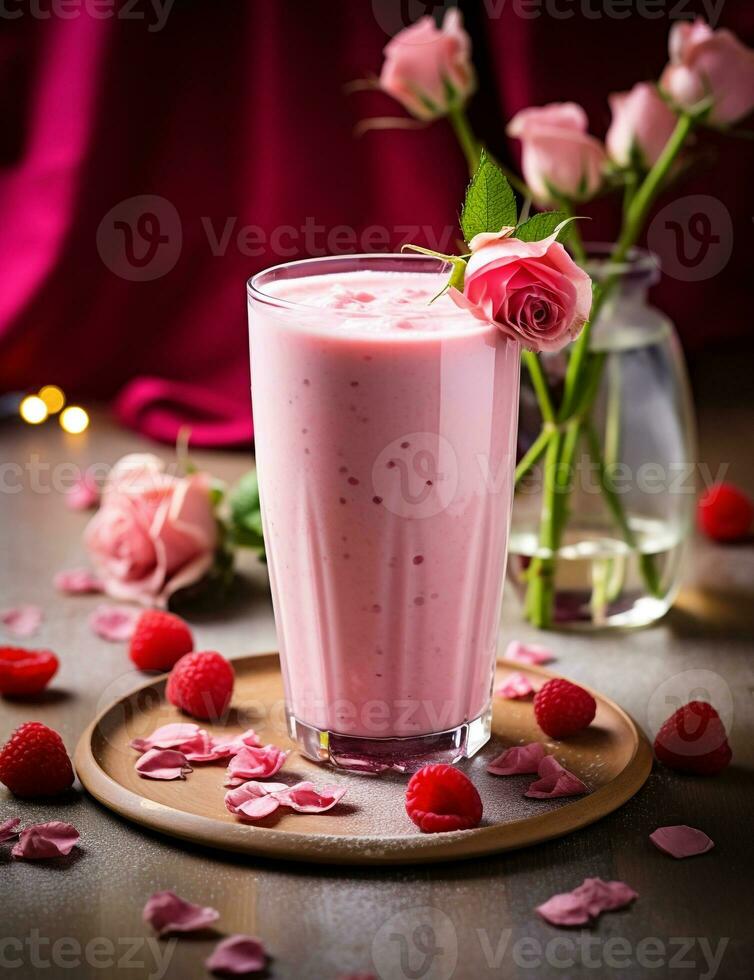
[[385, 438]]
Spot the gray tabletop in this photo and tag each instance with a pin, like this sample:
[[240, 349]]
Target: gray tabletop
[[81, 916]]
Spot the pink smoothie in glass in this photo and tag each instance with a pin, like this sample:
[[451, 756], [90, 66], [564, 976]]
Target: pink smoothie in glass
[[385, 432]]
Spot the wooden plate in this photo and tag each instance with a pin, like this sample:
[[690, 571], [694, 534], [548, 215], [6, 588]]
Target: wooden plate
[[370, 825]]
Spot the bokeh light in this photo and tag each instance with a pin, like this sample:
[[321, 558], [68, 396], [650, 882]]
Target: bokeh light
[[74, 419], [33, 410], [53, 397]]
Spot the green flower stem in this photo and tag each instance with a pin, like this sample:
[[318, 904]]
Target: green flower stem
[[541, 389], [534, 453], [574, 235], [471, 147]]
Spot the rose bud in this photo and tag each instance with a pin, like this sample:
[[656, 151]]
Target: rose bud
[[641, 126], [560, 160], [428, 69]]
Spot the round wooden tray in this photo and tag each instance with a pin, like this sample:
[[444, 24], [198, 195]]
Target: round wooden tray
[[370, 825]]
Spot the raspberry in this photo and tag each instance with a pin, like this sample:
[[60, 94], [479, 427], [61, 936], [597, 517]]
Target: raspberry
[[562, 708], [34, 762], [26, 671], [201, 684], [441, 798], [159, 640], [693, 739], [725, 513]]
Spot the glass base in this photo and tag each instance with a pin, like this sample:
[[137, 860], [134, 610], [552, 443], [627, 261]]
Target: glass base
[[372, 755]]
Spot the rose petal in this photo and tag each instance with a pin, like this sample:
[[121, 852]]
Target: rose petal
[[586, 902], [515, 686], [517, 760], [236, 956], [22, 620], [46, 840], [255, 763], [8, 829], [163, 764], [168, 912], [254, 800], [222, 747], [305, 798], [528, 653], [114, 623], [555, 780], [78, 581], [167, 737], [681, 841], [83, 495]]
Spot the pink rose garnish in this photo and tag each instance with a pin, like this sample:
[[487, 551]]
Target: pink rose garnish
[[589, 900], [46, 840], [167, 912], [555, 781], [518, 760], [154, 533], [78, 581], [681, 841], [560, 160], [532, 291], [8, 829], [428, 70], [707, 65], [641, 126], [255, 763], [237, 956], [22, 620], [163, 764], [515, 686], [528, 653]]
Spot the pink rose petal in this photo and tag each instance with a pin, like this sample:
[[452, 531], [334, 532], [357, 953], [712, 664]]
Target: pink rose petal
[[210, 748], [528, 653], [518, 759], [586, 902], [681, 841], [78, 581], [8, 829], [22, 620], [83, 495], [304, 798], [168, 912], [170, 736], [555, 780], [254, 800], [114, 623], [515, 686], [237, 955], [46, 840], [163, 764], [255, 763]]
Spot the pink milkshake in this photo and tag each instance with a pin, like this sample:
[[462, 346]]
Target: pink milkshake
[[385, 431]]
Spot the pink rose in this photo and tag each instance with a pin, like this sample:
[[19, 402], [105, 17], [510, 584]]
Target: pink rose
[[560, 160], [427, 69], [154, 533], [642, 124], [707, 64], [533, 291]]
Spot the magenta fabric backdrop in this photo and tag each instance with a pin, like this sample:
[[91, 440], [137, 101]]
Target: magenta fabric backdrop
[[235, 115]]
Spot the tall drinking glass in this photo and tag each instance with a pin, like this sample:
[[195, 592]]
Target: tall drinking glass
[[385, 428]]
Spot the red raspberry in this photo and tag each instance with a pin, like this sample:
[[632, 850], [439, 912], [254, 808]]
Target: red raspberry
[[441, 798], [201, 684], [26, 671], [160, 640], [34, 762], [725, 513], [562, 708], [693, 739]]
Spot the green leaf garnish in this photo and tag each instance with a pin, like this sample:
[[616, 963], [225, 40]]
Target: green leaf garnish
[[542, 225], [490, 202]]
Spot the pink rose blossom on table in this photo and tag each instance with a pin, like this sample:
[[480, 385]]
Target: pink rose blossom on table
[[559, 159], [712, 67], [533, 291], [154, 533], [641, 126], [167, 912], [428, 69]]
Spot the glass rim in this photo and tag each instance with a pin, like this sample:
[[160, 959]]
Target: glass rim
[[359, 260]]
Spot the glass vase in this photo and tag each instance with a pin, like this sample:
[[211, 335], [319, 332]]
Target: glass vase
[[627, 508]]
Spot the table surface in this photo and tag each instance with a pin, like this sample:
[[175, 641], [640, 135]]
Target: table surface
[[322, 922]]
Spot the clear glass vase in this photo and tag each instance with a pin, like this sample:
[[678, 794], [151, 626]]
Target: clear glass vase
[[629, 501]]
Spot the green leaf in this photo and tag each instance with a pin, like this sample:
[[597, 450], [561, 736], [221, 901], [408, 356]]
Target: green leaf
[[542, 225], [490, 202], [246, 515]]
